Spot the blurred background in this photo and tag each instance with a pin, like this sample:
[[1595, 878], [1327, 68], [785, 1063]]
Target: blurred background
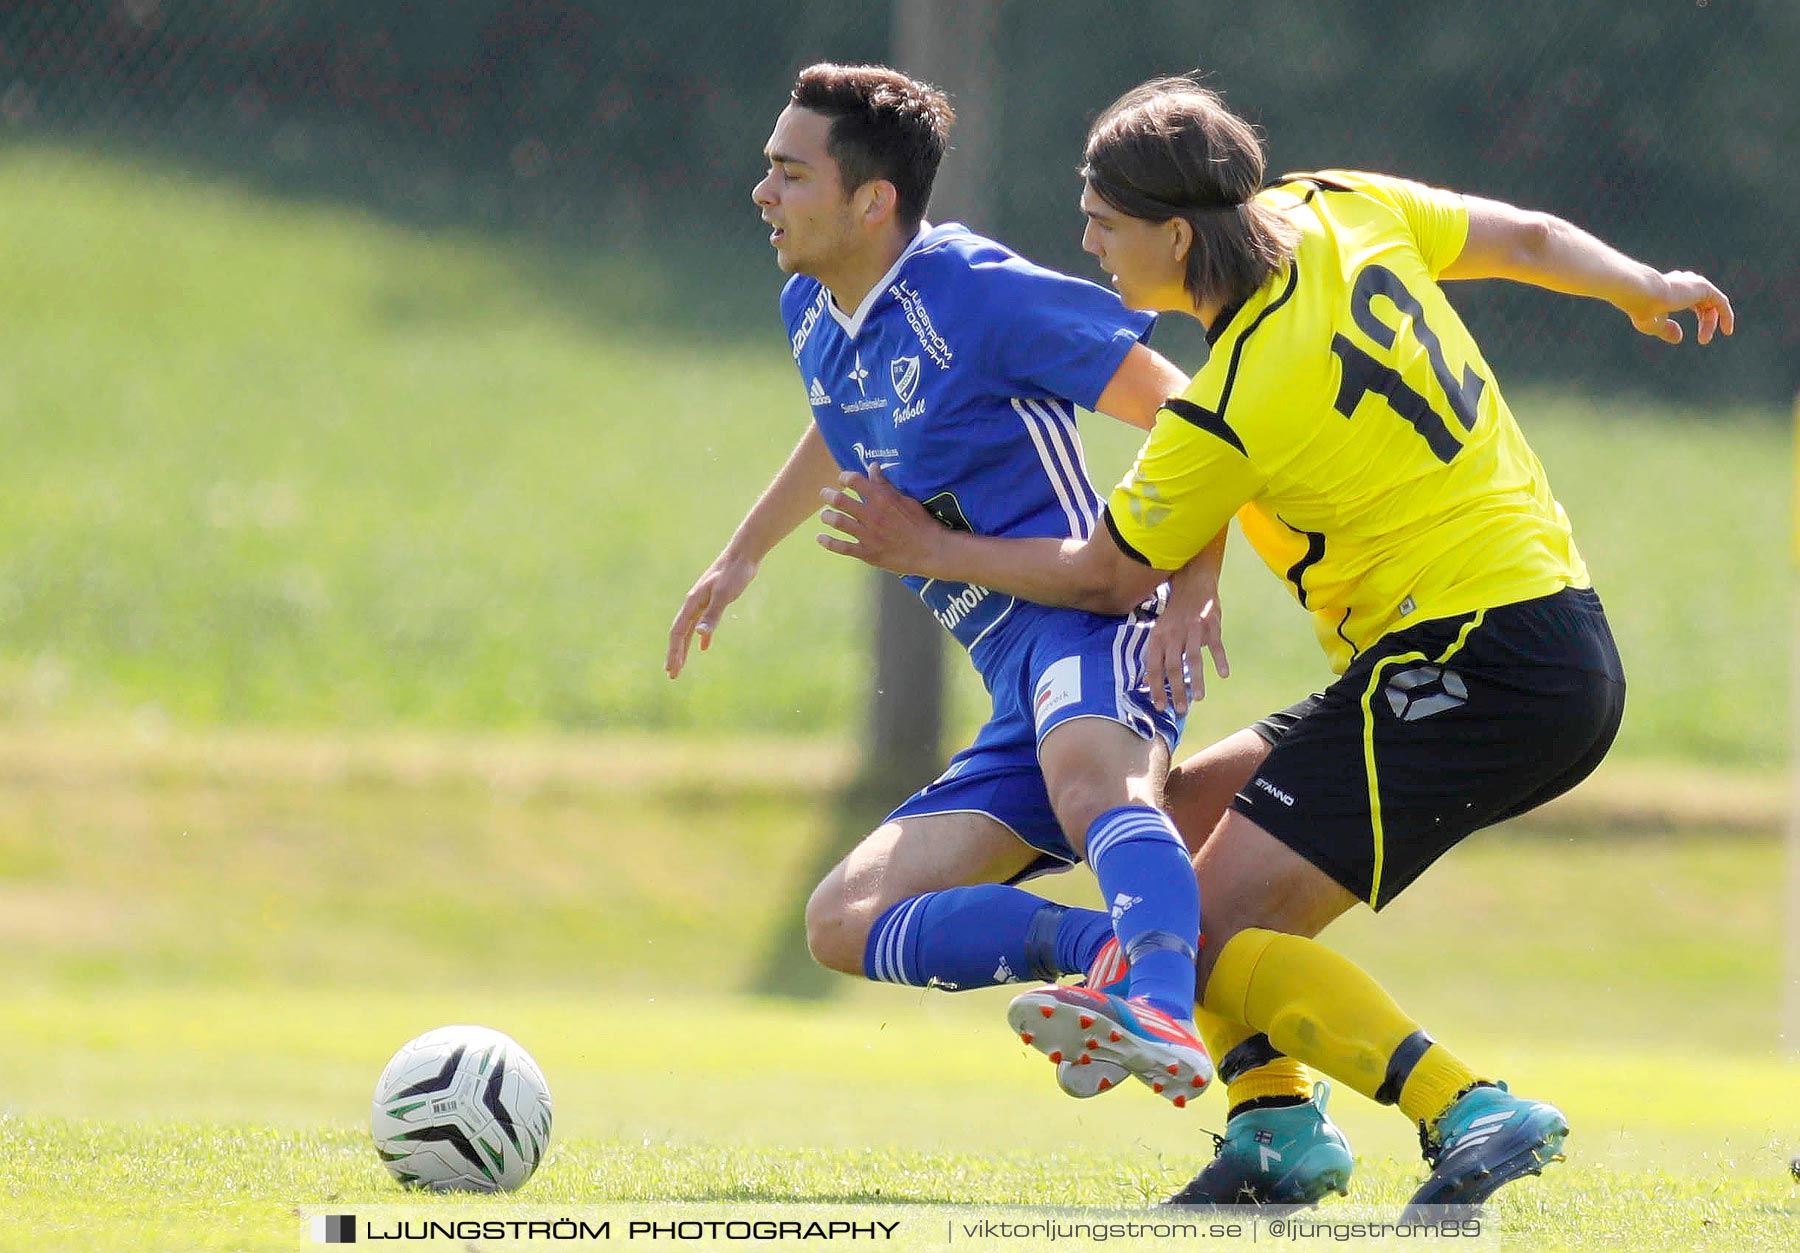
[[376, 377]]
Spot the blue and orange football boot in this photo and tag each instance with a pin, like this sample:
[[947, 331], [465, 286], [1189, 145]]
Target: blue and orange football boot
[[1088, 1027], [1082, 1079]]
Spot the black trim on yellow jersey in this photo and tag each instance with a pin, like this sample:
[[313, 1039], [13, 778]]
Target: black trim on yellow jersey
[[1223, 321], [1237, 352], [1355, 652], [1319, 184], [1124, 544], [1206, 420], [1315, 553]]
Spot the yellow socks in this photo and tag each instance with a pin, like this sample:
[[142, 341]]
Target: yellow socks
[[1251, 1067], [1320, 1008]]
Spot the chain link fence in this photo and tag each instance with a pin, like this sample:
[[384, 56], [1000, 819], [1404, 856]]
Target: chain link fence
[[1667, 128], [610, 150]]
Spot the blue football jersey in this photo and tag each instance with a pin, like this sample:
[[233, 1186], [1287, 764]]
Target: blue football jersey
[[960, 375]]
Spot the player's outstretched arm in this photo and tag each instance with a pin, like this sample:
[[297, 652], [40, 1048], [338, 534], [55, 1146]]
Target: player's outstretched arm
[[788, 501], [892, 531], [1545, 251], [1140, 386]]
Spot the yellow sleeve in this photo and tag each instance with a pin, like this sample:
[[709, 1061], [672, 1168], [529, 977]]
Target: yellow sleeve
[[1186, 483], [1438, 219]]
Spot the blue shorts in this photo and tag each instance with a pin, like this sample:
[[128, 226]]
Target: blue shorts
[[1071, 665]]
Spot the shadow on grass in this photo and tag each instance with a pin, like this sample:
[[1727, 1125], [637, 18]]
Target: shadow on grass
[[787, 968]]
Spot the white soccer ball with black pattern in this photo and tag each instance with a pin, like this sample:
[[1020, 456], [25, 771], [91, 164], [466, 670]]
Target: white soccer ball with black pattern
[[461, 1109]]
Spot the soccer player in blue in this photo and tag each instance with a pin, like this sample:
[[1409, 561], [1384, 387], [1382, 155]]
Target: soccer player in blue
[[955, 367]]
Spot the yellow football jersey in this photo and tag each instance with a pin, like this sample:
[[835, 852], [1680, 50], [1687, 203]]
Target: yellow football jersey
[[1347, 417]]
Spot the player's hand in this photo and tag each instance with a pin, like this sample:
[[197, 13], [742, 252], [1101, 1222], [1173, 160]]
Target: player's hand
[[724, 581], [887, 529], [1683, 290], [1190, 627]]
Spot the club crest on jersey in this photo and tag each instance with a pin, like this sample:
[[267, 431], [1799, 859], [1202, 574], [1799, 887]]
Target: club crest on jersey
[[905, 373]]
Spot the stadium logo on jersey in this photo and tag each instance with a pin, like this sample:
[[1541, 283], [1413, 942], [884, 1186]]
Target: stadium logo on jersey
[[808, 321], [905, 373], [920, 321], [817, 394]]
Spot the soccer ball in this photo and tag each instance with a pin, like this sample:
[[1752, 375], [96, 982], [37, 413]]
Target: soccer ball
[[461, 1109]]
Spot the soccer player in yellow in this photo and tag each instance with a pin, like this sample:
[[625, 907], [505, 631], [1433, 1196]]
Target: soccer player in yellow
[[1349, 421]]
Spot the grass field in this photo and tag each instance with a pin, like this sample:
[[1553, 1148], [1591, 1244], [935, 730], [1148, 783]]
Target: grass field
[[211, 946], [280, 463], [335, 561]]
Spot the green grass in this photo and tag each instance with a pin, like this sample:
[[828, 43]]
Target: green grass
[[211, 946], [202, 1120], [613, 862], [283, 464]]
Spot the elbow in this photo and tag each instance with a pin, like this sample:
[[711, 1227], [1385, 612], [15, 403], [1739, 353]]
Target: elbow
[[1110, 593], [1115, 599], [1534, 236], [1102, 578]]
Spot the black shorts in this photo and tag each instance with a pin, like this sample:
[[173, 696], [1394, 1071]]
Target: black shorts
[[1436, 731]]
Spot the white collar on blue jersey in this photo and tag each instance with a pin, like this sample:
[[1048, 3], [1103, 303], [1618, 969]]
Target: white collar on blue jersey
[[853, 323]]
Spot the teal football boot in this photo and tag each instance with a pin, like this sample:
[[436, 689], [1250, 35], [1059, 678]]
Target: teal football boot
[[1486, 1139], [1289, 1155]]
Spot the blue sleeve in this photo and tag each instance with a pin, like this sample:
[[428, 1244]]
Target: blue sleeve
[[1048, 334]]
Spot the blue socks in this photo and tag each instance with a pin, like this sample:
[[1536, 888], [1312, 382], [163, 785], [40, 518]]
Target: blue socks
[[980, 937], [990, 934], [1083, 933], [1148, 884]]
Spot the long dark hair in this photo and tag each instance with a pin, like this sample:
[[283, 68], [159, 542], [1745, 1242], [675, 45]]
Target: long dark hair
[[1171, 149]]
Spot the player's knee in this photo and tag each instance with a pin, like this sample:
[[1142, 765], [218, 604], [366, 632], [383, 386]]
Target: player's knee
[[1199, 792], [835, 931], [1078, 801]]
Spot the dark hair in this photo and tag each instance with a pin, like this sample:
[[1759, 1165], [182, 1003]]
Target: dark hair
[[1171, 149], [883, 125]]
